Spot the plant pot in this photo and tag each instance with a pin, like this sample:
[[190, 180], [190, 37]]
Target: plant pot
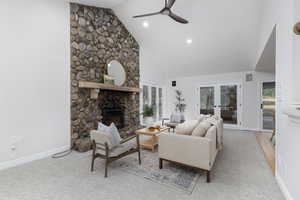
[[148, 121]]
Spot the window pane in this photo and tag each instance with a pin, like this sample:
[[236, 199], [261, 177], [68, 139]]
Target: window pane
[[269, 106], [145, 98], [145, 95], [160, 107], [153, 102], [207, 100], [229, 104]]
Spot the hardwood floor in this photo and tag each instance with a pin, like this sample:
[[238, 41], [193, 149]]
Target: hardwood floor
[[267, 147]]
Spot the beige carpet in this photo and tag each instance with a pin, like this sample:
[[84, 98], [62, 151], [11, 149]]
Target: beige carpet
[[240, 173]]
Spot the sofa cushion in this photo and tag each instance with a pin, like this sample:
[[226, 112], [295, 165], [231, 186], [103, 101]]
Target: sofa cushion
[[187, 127], [201, 129]]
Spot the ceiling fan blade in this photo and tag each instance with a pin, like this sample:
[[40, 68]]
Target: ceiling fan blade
[[147, 15], [177, 18], [170, 3]]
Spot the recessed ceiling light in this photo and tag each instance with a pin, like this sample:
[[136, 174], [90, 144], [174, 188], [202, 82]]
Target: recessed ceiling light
[[145, 24], [189, 41]]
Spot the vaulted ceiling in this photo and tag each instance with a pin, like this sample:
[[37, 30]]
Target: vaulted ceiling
[[225, 34], [100, 3]]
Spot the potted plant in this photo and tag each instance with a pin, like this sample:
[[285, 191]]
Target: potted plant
[[180, 105], [180, 102], [148, 113]]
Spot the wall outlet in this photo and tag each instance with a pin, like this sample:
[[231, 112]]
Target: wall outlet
[[14, 145]]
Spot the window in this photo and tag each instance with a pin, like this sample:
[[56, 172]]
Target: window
[[154, 102], [160, 103], [152, 95]]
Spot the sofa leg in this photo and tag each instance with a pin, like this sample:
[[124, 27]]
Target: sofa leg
[[160, 163], [208, 176]]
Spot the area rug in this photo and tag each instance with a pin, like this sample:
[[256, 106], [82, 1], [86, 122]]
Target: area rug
[[172, 175]]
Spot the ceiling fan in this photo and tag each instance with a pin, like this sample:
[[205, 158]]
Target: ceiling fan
[[166, 11]]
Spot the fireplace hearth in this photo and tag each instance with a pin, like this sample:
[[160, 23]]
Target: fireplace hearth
[[113, 115]]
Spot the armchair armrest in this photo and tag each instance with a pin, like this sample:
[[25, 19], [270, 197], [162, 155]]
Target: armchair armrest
[[128, 139], [189, 150]]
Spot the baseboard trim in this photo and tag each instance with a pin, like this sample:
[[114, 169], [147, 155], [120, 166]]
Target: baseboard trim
[[283, 188], [27, 159], [248, 129]]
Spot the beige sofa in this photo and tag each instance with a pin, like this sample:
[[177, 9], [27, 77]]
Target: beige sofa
[[192, 151]]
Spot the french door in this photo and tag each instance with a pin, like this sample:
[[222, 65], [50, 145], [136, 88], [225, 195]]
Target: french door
[[222, 100], [268, 105]]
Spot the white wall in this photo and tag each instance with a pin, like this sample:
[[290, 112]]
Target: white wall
[[34, 79], [250, 94], [150, 73], [283, 14]]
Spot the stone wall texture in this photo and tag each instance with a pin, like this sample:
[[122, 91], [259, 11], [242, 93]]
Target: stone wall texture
[[97, 37]]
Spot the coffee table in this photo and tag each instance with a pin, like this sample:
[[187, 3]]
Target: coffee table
[[153, 141]]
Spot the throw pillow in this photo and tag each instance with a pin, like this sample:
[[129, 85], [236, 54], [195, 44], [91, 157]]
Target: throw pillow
[[201, 129], [112, 130], [212, 120], [103, 127], [115, 134], [187, 127]]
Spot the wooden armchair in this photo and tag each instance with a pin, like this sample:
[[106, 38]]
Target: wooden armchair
[[101, 149]]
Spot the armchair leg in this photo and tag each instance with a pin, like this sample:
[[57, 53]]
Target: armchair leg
[[138, 148], [106, 159], [139, 154], [106, 166], [93, 156], [92, 166], [208, 176], [160, 163]]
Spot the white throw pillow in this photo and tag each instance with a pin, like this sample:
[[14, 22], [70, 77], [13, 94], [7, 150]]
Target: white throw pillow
[[187, 127], [212, 120], [115, 134], [200, 118], [113, 131], [201, 129], [103, 127]]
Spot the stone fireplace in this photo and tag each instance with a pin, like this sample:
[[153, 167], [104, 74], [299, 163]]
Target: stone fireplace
[[97, 37]]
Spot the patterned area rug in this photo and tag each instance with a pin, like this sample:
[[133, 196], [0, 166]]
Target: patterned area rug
[[172, 175]]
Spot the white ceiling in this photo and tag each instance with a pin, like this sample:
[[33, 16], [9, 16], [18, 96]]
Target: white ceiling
[[225, 34]]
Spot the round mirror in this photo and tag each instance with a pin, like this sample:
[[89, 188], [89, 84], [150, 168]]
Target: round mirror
[[117, 72]]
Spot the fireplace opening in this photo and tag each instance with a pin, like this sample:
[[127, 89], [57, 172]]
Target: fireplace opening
[[113, 115]]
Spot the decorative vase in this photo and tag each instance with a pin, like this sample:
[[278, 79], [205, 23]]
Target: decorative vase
[[148, 121]]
